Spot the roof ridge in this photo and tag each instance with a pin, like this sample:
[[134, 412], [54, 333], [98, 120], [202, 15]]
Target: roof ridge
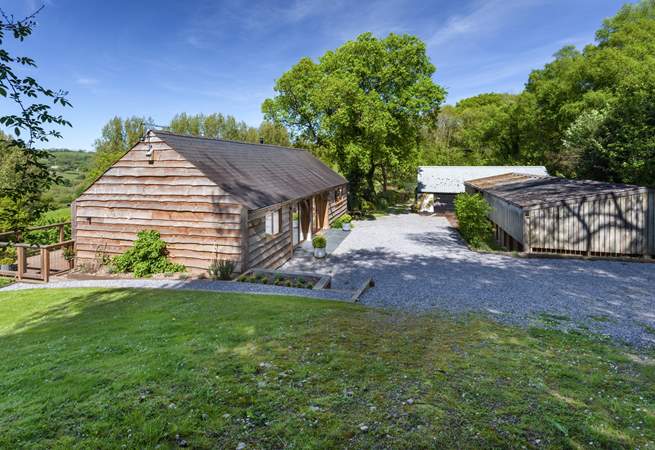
[[193, 136]]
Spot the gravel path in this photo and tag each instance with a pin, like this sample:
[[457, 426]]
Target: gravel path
[[419, 263], [198, 285]]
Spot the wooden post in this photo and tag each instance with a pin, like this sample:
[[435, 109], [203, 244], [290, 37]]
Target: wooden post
[[244, 239], [20, 256], [527, 233], [45, 264], [74, 220], [61, 233], [291, 226]]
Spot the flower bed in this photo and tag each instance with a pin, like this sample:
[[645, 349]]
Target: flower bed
[[286, 279]]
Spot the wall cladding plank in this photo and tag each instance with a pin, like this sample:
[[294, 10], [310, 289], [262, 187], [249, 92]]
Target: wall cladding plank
[[607, 225], [269, 251], [196, 218]]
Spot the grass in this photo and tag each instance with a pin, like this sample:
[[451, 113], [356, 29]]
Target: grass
[[145, 368], [5, 281], [55, 215]]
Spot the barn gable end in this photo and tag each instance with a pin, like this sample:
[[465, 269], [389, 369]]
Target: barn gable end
[[193, 214]]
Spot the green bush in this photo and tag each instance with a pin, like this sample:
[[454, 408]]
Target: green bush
[[221, 269], [146, 257], [51, 235], [471, 211], [8, 255], [319, 242], [381, 204], [339, 221]]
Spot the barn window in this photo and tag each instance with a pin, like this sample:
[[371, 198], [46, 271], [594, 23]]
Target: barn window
[[273, 221]]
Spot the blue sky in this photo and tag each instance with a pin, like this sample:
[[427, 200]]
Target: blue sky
[[157, 58]]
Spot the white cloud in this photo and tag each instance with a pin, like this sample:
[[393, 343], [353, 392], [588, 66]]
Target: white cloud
[[86, 81], [218, 20], [486, 16]]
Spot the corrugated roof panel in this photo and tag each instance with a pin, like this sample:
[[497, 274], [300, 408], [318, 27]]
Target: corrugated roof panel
[[527, 191], [450, 179]]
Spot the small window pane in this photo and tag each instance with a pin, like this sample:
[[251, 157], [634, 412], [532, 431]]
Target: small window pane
[[273, 223]]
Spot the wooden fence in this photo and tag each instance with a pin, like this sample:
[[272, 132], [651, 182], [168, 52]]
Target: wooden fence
[[35, 261]]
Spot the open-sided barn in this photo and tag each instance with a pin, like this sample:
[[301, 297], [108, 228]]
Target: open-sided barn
[[251, 203], [557, 215]]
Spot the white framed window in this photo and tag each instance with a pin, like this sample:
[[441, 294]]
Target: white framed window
[[273, 220]]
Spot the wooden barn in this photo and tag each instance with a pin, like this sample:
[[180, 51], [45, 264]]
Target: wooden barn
[[251, 203], [557, 215]]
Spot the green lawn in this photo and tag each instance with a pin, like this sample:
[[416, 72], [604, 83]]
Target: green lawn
[[5, 281], [105, 368]]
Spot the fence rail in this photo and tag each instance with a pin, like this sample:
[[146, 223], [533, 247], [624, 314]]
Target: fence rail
[[34, 261]]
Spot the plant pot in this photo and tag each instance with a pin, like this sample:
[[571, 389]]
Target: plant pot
[[319, 253], [345, 226], [9, 267]]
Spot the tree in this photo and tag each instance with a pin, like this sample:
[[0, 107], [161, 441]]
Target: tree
[[364, 103], [585, 114], [18, 211], [22, 163], [117, 137], [218, 126]]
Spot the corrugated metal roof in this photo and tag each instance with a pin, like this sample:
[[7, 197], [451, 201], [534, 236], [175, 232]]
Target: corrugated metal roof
[[450, 179], [528, 191], [258, 175]]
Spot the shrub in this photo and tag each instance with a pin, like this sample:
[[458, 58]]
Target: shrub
[[339, 221], [319, 242], [367, 207], [51, 235], [221, 269], [146, 257], [8, 255], [471, 212], [381, 204], [69, 253]]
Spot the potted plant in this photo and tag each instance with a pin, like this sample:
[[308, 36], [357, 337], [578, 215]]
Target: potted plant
[[319, 243], [8, 260], [345, 222]]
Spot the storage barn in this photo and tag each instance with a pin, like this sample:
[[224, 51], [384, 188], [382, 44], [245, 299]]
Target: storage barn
[[557, 215], [437, 186], [252, 203]]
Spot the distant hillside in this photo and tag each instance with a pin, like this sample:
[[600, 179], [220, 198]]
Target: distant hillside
[[72, 166]]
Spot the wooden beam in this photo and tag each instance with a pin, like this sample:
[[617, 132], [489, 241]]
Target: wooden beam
[[20, 256], [244, 240], [45, 265]]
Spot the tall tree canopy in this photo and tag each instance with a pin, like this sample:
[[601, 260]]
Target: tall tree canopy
[[586, 114], [363, 103], [219, 126], [117, 137], [25, 171]]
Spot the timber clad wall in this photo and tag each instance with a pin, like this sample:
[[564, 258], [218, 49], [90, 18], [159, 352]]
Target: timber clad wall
[[574, 217], [506, 216], [607, 225], [269, 251], [193, 215], [189, 203], [650, 218], [337, 208]]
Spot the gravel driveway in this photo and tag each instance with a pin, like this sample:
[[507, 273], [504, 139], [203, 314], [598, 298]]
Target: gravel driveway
[[419, 263]]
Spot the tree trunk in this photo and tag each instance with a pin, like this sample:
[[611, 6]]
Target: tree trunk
[[384, 178], [369, 194]]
